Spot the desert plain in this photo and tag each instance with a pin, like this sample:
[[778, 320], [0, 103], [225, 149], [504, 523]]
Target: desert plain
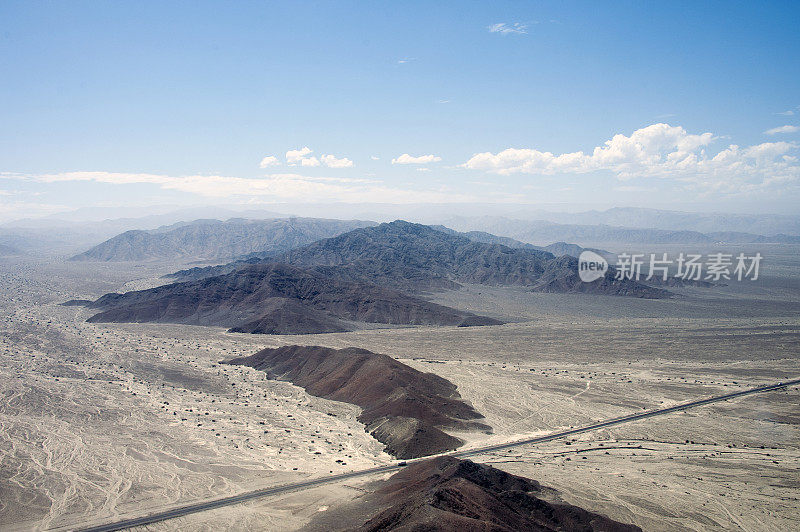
[[100, 422]]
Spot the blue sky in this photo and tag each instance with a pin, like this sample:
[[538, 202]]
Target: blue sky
[[140, 103]]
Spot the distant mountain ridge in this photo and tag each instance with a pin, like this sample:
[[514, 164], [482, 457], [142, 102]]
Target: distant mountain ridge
[[557, 249], [213, 239], [711, 222], [541, 231]]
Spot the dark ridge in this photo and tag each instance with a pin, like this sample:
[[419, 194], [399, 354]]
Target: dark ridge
[[276, 299], [403, 408], [447, 494], [292, 318]]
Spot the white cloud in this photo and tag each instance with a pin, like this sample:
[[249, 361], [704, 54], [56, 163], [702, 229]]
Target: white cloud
[[269, 160], [505, 29], [279, 187], [782, 129], [374, 158], [295, 157], [790, 112], [300, 157], [422, 159], [662, 151], [405, 60], [309, 162], [332, 162], [423, 169]]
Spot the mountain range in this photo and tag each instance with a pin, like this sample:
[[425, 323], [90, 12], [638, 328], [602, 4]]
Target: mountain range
[[213, 239], [415, 257]]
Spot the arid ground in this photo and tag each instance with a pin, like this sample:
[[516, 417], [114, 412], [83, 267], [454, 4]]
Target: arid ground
[[103, 421]]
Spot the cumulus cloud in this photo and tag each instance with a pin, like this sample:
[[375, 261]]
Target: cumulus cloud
[[273, 187], [782, 129], [332, 161], [295, 157], [422, 159], [658, 150], [504, 28], [309, 161], [300, 157], [269, 160]]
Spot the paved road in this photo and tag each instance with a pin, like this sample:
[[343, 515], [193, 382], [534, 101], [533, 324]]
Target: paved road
[[225, 501]]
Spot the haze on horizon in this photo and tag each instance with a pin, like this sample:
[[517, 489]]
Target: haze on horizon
[[569, 107]]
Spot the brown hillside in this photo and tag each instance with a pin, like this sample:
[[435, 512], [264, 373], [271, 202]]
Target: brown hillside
[[446, 494], [403, 408]]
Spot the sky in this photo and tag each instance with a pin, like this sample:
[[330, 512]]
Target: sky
[[677, 105]]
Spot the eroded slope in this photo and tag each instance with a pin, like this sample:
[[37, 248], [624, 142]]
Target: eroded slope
[[403, 408]]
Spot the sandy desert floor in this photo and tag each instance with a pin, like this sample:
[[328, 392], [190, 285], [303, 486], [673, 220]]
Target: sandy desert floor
[[102, 421]]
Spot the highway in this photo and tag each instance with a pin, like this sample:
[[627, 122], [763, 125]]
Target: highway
[[250, 495]]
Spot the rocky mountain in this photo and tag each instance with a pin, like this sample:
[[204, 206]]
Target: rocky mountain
[[418, 258], [559, 249], [214, 239], [413, 256], [403, 408], [445, 494], [276, 299]]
